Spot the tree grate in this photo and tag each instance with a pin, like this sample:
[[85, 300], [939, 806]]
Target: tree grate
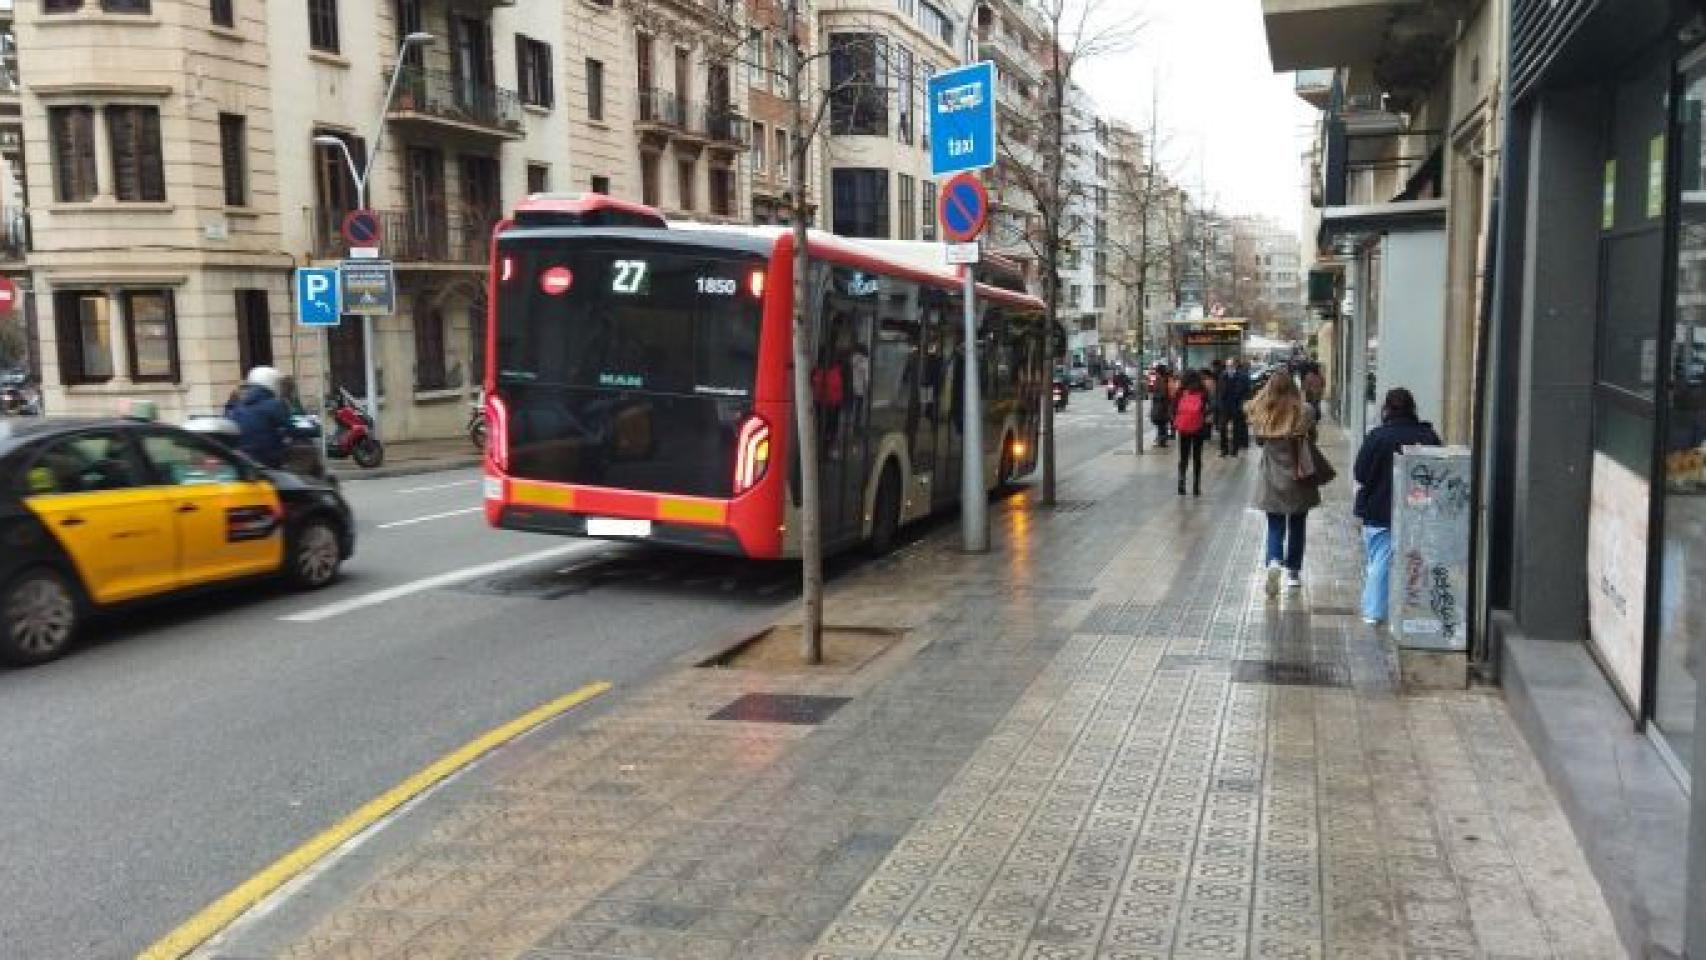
[[1290, 673], [797, 708]]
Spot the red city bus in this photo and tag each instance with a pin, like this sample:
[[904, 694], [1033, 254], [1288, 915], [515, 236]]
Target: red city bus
[[638, 380]]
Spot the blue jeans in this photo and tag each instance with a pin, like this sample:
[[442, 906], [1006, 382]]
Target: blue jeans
[[1286, 538], [1377, 574]]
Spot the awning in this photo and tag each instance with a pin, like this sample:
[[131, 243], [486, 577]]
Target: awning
[[1351, 221]]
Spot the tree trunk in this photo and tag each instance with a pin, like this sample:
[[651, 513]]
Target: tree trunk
[[805, 418]]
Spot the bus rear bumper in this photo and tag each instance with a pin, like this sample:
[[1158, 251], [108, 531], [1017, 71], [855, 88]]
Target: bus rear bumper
[[684, 536]]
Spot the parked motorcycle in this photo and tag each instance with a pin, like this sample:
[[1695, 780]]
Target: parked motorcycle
[[19, 400], [477, 422], [352, 435]]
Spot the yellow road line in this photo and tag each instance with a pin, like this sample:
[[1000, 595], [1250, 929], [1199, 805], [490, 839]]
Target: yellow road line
[[222, 912]]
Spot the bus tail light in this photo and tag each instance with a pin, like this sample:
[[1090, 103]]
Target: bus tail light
[[497, 431], [755, 284], [752, 457]]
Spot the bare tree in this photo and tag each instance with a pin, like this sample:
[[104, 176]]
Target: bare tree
[[721, 30], [1035, 156]]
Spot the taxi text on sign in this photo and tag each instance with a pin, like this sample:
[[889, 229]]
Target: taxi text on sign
[[961, 119], [317, 297]]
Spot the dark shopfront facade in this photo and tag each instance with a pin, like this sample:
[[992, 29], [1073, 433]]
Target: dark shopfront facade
[[1593, 475]]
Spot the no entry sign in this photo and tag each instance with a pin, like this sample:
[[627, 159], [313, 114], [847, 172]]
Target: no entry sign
[[963, 208]]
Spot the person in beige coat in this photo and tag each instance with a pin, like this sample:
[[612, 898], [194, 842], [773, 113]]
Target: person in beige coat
[[1281, 423]]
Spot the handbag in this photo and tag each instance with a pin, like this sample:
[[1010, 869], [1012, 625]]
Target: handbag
[[1312, 469]]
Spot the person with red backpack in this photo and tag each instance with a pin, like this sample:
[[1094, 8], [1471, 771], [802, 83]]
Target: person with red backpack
[[1190, 422]]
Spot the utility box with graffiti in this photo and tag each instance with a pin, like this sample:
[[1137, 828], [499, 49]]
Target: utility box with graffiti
[[1430, 548]]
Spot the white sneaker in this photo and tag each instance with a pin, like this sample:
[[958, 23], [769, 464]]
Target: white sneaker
[[1273, 579], [1372, 621], [1293, 580]]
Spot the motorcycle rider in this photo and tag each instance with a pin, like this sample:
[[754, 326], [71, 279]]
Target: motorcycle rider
[[260, 413]]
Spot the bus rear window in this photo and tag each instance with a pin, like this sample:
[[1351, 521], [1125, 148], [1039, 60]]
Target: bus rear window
[[635, 319]]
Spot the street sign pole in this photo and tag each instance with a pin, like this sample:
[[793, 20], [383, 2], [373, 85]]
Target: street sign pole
[[962, 139], [974, 499]]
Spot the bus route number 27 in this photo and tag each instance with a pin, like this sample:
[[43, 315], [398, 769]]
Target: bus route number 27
[[718, 286], [628, 276]]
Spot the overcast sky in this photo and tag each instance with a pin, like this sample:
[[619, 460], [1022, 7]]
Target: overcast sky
[[1223, 110]]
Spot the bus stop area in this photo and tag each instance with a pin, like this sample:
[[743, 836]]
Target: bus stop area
[[1101, 739]]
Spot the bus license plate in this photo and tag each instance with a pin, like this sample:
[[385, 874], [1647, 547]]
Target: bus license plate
[[617, 527]]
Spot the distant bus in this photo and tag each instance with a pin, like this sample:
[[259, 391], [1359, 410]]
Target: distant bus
[[638, 380]]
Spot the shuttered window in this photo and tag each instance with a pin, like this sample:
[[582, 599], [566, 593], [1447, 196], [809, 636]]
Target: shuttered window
[[222, 14], [254, 330], [232, 139], [139, 174], [73, 133], [323, 25]]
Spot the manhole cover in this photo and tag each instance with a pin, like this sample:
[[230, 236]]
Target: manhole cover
[[798, 708], [1290, 673]]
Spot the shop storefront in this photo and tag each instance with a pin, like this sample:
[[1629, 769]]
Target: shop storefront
[[1593, 474]]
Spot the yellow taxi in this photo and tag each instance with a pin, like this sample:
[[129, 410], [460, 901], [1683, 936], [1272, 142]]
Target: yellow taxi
[[99, 513]]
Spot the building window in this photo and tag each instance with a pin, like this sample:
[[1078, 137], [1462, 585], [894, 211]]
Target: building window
[[861, 197], [139, 174], [755, 57], [1099, 297], [429, 346], [151, 333], [782, 155], [858, 101], [684, 180], [760, 150], [724, 195], [61, 6], [595, 89], [232, 154], [533, 72], [778, 64], [538, 178], [908, 212], [254, 330], [649, 179], [126, 6], [323, 25], [601, 184], [927, 210], [73, 133], [222, 14], [936, 23], [904, 94], [83, 325]]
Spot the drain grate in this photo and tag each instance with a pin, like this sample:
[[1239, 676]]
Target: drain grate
[[1322, 611], [1290, 673], [1069, 506], [798, 708], [1188, 661]]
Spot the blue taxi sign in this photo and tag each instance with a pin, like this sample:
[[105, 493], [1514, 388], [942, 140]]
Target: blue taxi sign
[[961, 119]]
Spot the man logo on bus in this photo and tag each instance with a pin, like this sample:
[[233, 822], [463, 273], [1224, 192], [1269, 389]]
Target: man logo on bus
[[966, 96]]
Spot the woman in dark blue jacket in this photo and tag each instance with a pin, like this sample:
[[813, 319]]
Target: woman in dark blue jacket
[[1400, 427]]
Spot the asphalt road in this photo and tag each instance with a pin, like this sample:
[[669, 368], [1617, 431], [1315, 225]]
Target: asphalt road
[[194, 743]]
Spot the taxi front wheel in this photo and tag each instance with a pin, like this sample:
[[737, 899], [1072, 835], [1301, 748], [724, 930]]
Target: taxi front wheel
[[315, 555], [39, 616]]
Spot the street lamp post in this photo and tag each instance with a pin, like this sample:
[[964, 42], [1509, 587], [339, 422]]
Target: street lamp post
[[361, 177]]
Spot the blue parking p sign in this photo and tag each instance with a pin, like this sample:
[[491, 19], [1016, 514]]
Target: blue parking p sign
[[962, 119], [317, 296]]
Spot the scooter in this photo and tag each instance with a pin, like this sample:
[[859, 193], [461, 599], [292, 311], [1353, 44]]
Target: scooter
[[353, 436], [1060, 395], [477, 423], [1121, 397]]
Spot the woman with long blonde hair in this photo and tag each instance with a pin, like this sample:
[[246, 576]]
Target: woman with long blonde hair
[[1282, 424]]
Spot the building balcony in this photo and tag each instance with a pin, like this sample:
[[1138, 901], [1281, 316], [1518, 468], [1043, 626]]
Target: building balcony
[[1329, 33], [440, 100], [996, 45], [411, 237], [1315, 87], [728, 128], [659, 112]]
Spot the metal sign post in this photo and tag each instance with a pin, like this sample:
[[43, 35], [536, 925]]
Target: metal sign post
[[369, 290], [961, 123], [317, 308]]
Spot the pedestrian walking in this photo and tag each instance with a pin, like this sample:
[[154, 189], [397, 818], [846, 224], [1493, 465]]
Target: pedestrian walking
[[1233, 394], [1161, 404], [1400, 427], [1283, 426], [1190, 421]]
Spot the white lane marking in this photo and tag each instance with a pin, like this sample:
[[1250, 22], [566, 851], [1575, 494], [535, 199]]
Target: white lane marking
[[431, 516], [389, 594], [439, 486]]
